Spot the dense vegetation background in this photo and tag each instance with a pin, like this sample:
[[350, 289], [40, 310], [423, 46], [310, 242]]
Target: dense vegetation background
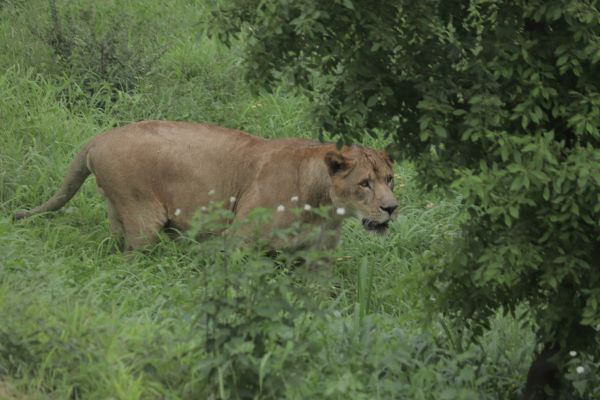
[[216, 320]]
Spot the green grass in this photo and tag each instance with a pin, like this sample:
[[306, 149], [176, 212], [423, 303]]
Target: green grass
[[79, 319]]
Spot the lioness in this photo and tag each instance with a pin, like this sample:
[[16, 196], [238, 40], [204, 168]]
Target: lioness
[[157, 174]]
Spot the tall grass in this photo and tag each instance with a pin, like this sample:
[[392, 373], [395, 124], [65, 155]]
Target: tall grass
[[80, 320]]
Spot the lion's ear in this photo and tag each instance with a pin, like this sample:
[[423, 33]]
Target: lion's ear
[[387, 157], [335, 162], [392, 152]]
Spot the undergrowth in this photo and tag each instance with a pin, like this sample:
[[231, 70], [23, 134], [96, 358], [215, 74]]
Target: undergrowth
[[212, 319]]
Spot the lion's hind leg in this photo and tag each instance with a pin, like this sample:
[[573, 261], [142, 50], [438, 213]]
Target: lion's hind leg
[[116, 226], [140, 224]]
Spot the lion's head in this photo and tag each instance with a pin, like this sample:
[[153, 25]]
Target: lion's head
[[362, 181]]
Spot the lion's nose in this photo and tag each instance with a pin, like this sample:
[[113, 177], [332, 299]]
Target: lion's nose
[[390, 209]]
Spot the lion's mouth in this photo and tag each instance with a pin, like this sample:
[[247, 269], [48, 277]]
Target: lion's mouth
[[374, 226]]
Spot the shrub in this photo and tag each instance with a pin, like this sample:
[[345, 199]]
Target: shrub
[[499, 100], [100, 46], [214, 319]]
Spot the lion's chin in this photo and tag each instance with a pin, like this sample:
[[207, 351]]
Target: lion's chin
[[374, 226]]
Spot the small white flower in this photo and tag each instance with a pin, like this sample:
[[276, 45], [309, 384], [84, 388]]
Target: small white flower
[[177, 212], [340, 211], [572, 353], [580, 370], [294, 199], [307, 207], [202, 208], [280, 208], [232, 199], [211, 192]]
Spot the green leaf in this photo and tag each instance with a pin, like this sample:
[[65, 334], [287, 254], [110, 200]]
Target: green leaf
[[372, 100], [517, 183], [348, 4], [546, 193], [440, 131]]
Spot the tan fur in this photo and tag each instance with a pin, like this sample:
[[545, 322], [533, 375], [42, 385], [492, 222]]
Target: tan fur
[[157, 173]]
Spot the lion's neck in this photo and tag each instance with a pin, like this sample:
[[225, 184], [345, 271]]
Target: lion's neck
[[315, 182]]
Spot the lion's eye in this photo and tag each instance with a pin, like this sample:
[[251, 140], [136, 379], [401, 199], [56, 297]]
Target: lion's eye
[[365, 184]]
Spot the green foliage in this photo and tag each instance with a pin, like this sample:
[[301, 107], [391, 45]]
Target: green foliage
[[499, 99], [580, 372], [104, 47], [224, 321], [80, 320]]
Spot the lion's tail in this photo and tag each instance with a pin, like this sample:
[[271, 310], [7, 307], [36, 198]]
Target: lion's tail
[[77, 174]]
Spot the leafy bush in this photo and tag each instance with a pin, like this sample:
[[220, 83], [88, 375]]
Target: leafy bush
[[580, 372], [499, 99], [102, 46], [258, 326], [79, 320], [226, 322]]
